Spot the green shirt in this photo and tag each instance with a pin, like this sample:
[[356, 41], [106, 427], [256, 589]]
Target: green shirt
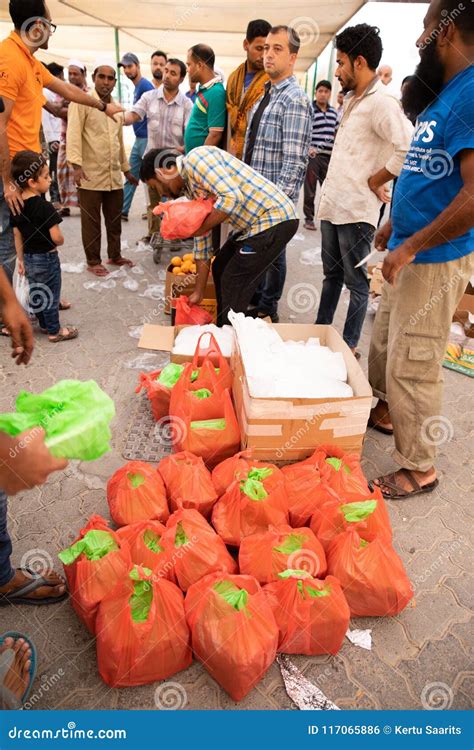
[[209, 111]]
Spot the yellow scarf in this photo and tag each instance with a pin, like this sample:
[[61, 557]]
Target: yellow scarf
[[239, 104]]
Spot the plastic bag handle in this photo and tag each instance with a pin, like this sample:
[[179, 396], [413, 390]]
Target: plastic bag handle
[[212, 348]]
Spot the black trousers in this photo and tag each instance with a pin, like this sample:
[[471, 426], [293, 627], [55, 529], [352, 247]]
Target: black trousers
[[240, 266], [316, 172], [53, 148]]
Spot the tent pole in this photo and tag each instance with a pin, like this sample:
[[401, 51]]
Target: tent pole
[[117, 56]]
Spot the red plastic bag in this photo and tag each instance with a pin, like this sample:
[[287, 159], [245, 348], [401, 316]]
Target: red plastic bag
[[146, 546], [194, 548], [236, 468], [142, 635], [312, 615], [251, 505], [233, 630], [187, 314], [341, 472], [371, 574], [198, 397], [213, 440], [137, 493], [302, 481], [188, 483], [158, 395], [182, 218], [269, 553], [368, 516], [213, 354], [89, 580]]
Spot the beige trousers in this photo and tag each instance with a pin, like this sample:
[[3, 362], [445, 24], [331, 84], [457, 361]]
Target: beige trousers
[[408, 343]]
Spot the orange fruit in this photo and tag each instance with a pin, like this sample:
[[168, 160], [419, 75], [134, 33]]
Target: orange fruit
[[176, 261], [177, 271], [188, 256]]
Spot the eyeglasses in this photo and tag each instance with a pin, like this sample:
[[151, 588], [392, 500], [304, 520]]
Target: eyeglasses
[[52, 26]]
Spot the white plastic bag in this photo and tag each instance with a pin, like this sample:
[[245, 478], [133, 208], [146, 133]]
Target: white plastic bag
[[22, 291]]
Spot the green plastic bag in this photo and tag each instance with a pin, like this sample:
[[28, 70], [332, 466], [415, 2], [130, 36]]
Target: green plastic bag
[[237, 598], [355, 512], [312, 592], [95, 545], [253, 485], [142, 597], [180, 538], [292, 543], [170, 375], [202, 393], [209, 424], [75, 416], [152, 541], [336, 463]]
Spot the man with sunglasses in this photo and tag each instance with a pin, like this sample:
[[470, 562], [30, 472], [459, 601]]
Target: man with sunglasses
[[22, 79]]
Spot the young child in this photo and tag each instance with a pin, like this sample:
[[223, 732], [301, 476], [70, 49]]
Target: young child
[[37, 237]]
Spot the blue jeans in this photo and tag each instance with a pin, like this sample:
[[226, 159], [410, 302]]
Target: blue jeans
[[6, 570], [7, 244], [136, 156], [272, 288], [43, 271], [342, 247]]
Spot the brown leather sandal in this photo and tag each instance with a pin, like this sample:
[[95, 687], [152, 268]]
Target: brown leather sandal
[[392, 491]]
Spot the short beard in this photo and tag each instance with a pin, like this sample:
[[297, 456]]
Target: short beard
[[158, 75], [426, 83]]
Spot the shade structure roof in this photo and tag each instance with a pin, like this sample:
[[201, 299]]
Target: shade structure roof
[[86, 28]]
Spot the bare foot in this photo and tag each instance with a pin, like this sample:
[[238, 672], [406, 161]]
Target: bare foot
[[18, 676], [56, 588]]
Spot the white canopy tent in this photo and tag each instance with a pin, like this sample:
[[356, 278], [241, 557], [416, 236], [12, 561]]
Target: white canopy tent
[[89, 30]]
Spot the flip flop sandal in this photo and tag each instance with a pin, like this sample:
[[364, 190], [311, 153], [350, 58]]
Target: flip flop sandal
[[379, 427], [18, 596], [98, 270], [392, 491], [73, 334], [8, 699]]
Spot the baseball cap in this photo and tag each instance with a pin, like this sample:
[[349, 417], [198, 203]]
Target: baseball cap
[[128, 59]]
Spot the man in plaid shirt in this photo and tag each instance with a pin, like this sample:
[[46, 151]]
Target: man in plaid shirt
[[262, 218], [278, 140]]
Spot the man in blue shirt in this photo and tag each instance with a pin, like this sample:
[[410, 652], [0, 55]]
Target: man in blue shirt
[[131, 67], [430, 239]]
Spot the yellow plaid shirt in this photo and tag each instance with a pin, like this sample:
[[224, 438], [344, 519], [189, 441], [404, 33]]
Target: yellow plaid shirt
[[252, 202]]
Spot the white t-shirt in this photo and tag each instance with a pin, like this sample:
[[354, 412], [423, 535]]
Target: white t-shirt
[[51, 124]]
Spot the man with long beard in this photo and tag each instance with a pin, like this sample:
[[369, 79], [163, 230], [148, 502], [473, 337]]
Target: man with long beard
[[430, 238]]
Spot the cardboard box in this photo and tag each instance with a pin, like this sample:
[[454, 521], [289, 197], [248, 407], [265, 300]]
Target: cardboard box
[[184, 284], [162, 338], [284, 429]]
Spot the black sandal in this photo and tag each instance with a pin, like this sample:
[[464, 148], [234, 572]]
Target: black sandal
[[392, 491], [18, 596]]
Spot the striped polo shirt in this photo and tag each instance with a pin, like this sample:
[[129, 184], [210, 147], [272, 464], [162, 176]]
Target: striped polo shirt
[[324, 129]]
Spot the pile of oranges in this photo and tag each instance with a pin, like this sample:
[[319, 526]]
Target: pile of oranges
[[184, 265]]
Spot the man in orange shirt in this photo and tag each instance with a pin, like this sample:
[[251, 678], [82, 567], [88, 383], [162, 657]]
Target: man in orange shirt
[[22, 79]]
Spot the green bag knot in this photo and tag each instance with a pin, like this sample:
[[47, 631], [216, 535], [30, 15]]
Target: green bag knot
[[142, 597], [355, 512], [136, 480], [152, 541], [336, 464], [94, 545], [237, 598], [180, 538], [170, 375], [209, 424], [202, 393], [292, 543], [292, 573]]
